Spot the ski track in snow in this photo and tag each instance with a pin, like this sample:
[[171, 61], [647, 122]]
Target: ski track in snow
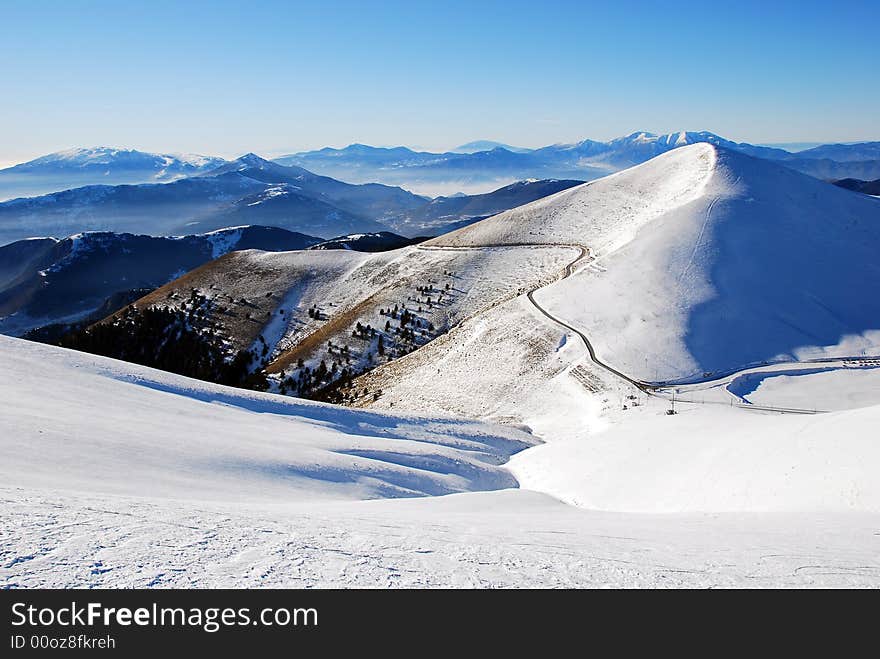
[[504, 539]]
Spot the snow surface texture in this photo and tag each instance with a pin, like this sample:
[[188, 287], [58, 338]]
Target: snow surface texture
[[828, 387], [163, 435], [175, 482], [511, 538], [609, 447], [707, 261], [715, 458]]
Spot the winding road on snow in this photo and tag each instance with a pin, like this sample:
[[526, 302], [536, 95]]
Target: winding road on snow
[[569, 270], [652, 389], [658, 390]]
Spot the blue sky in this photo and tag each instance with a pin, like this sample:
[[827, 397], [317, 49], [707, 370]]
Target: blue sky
[[273, 77]]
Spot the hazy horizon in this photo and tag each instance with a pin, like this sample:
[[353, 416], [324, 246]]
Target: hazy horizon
[[279, 77]]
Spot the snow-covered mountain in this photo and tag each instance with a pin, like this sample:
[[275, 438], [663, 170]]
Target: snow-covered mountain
[[707, 260], [44, 281], [98, 166], [154, 208], [112, 160], [370, 200]]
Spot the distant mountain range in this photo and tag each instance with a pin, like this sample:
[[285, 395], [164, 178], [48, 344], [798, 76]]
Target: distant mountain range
[[206, 194], [98, 166], [433, 172], [251, 191], [585, 160], [487, 145]]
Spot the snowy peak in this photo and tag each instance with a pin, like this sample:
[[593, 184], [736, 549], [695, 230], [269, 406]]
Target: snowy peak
[[73, 168], [83, 158], [260, 169], [603, 214], [708, 260], [672, 140], [253, 160]]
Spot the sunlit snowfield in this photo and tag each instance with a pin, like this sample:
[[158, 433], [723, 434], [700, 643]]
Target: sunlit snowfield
[[182, 483]]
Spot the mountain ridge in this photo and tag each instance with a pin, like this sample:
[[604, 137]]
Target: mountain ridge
[[668, 284]]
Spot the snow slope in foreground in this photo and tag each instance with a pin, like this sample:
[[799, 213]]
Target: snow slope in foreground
[[708, 261], [120, 476], [509, 538], [73, 421]]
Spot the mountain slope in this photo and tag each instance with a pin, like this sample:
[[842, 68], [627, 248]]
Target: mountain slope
[[707, 260], [173, 437], [81, 167], [313, 320], [170, 482], [46, 280]]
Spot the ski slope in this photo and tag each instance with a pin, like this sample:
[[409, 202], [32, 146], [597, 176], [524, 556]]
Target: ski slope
[[114, 475], [78, 422]]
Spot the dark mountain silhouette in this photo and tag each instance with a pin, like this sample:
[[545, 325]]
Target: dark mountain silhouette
[[46, 280]]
